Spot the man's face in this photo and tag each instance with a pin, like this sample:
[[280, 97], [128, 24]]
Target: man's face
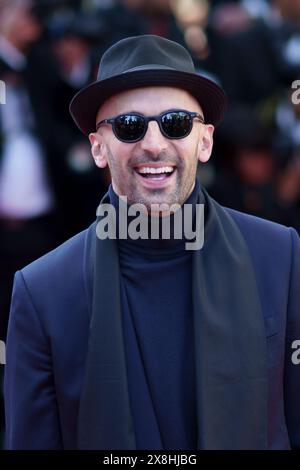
[[128, 162], [19, 25], [289, 9]]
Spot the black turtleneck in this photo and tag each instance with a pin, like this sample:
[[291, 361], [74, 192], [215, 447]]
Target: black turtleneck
[[158, 331]]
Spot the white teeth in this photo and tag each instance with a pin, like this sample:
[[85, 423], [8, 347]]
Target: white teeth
[[163, 169]]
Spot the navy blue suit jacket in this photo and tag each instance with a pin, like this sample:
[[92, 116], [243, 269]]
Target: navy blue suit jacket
[[49, 330]]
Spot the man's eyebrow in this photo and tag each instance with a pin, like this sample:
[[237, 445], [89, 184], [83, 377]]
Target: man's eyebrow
[[129, 112], [168, 110]]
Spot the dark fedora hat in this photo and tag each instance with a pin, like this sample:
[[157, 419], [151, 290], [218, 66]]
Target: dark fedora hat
[[142, 61]]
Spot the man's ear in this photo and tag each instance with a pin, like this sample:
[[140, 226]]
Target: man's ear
[[98, 149], [206, 143]]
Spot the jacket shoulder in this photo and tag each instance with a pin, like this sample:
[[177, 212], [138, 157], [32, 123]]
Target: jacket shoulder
[[63, 260], [274, 250], [258, 230]]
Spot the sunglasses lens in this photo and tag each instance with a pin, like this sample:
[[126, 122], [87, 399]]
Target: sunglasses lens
[[129, 127], [177, 124]]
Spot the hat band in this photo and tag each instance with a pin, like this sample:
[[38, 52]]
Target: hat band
[[149, 66]]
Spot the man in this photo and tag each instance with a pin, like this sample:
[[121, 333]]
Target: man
[[141, 343]]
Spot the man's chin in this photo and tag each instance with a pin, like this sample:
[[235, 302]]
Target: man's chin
[[160, 198]]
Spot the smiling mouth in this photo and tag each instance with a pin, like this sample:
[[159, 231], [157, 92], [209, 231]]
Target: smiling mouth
[[157, 173]]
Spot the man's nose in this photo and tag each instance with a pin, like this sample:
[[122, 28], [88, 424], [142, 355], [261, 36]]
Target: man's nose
[[153, 141]]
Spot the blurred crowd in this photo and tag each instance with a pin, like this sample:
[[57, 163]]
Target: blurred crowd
[[49, 49]]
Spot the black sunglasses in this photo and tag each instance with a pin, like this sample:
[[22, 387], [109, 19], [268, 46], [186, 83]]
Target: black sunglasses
[[132, 127]]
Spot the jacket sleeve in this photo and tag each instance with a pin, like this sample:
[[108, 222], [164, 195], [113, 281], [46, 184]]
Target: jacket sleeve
[[292, 362], [32, 420]]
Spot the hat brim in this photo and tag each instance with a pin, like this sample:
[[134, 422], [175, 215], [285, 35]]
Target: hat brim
[[86, 103]]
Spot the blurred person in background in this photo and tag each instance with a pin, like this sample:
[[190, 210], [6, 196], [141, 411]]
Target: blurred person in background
[[135, 17], [287, 142], [255, 169], [31, 163], [73, 40], [192, 18], [25, 195], [263, 58]]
